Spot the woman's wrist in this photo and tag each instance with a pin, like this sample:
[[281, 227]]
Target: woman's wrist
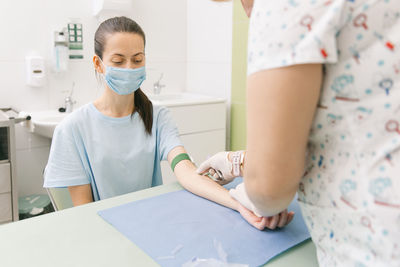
[[236, 203]]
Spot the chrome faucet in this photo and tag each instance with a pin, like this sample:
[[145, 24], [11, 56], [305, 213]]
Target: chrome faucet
[[69, 103], [157, 86]]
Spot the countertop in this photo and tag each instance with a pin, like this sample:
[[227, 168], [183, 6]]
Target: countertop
[[79, 237]]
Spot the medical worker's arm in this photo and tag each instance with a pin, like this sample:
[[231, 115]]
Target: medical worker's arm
[[281, 104], [203, 186], [248, 6], [80, 194]]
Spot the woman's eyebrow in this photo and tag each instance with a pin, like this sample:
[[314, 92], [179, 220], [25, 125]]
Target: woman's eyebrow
[[120, 55]]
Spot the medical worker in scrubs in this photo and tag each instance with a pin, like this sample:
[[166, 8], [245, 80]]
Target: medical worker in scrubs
[[323, 120]]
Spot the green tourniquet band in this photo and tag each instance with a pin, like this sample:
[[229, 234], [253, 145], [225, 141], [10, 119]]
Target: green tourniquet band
[[179, 158]]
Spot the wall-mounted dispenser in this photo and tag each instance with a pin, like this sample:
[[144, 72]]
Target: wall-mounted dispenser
[[35, 71], [101, 7], [61, 54]]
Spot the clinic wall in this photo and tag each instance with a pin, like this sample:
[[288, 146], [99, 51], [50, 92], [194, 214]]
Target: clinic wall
[[209, 50], [27, 27], [239, 69]]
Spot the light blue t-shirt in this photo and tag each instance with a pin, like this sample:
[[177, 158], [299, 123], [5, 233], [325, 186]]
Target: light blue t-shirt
[[114, 155]]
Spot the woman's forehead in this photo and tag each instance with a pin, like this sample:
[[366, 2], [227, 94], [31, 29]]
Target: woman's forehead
[[123, 43]]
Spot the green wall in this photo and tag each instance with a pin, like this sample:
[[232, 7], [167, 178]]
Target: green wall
[[239, 68]]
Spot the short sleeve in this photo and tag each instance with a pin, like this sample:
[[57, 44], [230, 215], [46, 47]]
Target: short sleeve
[[167, 133], [283, 33], [65, 167]]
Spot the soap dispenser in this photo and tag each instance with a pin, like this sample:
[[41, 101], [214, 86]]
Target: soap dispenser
[[35, 71]]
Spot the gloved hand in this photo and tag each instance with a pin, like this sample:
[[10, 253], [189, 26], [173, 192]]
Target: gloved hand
[[239, 193], [220, 168]]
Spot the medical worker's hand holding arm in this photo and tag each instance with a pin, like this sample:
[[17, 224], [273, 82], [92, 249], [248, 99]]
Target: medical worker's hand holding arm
[[280, 109], [203, 186], [225, 168], [221, 167]]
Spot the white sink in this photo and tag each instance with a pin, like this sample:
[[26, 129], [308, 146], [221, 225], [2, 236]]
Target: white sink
[[179, 99], [166, 97], [44, 122]]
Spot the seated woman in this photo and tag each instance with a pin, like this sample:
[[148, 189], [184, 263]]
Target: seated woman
[[114, 145]]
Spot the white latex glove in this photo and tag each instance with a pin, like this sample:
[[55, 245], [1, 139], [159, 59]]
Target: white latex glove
[[219, 167], [239, 193]]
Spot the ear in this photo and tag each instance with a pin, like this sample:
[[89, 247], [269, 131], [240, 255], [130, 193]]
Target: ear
[[97, 64]]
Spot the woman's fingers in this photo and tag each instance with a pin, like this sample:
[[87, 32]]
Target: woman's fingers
[[273, 222], [251, 218], [283, 216], [260, 223], [280, 220], [290, 217]]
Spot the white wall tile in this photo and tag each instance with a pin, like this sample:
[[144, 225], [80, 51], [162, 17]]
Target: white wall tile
[[174, 78], [209, 78], [164, 23], [14, 92], [209, 31], [21, 27], [86, 88], [209, 50]]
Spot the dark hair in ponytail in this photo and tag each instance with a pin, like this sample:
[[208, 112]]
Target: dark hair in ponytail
[[143, 105]]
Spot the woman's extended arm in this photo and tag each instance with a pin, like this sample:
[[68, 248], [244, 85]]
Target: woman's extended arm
[[280, 108], [203, 186], [80, 194]]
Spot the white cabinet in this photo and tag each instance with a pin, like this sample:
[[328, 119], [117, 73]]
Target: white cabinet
[[202, 129], [8, 190], [5, 193], [5, 207], [5, 178]]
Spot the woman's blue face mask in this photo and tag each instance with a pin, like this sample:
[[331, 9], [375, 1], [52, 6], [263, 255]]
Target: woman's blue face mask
[[124, 81]]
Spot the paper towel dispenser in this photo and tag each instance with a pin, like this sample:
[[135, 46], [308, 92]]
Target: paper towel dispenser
[[104, 6]]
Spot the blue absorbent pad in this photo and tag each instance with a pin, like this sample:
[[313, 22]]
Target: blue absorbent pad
[[176, 227]]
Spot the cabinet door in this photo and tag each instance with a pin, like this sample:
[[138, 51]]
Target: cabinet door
[[5, 178], [199, 118], [5, 207], [200, 146]]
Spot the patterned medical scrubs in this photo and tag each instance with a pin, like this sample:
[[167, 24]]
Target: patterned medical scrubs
[[350, 192]]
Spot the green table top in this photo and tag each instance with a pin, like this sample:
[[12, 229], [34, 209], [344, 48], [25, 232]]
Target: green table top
[[79, 237]]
